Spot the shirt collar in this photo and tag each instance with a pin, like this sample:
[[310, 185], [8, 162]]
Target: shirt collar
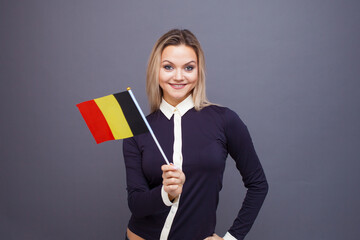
[[182, 107]]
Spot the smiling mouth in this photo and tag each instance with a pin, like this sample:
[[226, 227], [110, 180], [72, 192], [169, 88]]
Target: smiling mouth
[[177, 86]]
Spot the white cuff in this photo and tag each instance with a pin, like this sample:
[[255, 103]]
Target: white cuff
[[165, 197], [228, 236]]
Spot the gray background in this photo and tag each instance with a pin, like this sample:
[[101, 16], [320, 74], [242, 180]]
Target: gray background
[[289, 68]]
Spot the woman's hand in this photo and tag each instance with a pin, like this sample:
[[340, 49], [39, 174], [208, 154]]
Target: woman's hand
[[173, 180], [214, 237]]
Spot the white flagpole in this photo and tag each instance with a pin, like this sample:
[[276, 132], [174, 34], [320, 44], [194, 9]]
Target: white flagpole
[[148, 125]]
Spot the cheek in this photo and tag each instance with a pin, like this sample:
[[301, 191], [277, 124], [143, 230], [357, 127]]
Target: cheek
[[164, 76], [192, 77]]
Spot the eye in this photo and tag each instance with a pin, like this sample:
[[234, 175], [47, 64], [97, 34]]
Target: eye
[[168, 67], [189, 68]]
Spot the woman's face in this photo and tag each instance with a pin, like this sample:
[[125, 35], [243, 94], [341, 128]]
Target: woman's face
[[178, 73]]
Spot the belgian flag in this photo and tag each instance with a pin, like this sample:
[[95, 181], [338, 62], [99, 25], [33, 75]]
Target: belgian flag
[[112, 117]]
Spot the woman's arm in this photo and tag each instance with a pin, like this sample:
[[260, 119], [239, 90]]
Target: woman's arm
[[142, 200], [241, 149]]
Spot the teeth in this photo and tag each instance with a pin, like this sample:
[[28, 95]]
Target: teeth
[[178, 85]]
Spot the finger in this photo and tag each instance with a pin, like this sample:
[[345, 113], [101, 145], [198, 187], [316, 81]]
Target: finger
[[172, 181], [172, 174], [167, 175], [166, 167], [171, 188]]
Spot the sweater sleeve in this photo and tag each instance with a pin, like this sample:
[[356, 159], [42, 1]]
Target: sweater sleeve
[[241, 149], [142, 200]]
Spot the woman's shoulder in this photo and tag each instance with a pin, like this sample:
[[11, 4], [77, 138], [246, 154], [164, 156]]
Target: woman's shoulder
[[153, 115], [220, 110], [224, 114]]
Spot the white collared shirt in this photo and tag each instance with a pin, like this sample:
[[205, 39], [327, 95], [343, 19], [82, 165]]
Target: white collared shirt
[[178, 111]]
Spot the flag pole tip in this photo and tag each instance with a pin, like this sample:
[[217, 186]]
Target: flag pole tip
[[128, 88]]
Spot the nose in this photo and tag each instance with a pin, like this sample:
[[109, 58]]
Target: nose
[[179, 75]]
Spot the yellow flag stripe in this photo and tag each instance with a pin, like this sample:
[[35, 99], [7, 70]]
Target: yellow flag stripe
[[114, 116]]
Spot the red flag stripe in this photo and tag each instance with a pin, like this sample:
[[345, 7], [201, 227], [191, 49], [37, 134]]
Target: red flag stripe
[[95, 121]]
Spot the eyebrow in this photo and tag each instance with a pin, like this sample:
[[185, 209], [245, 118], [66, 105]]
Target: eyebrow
[[192, 61]]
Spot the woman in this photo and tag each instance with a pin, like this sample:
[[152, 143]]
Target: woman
[[179, 201]]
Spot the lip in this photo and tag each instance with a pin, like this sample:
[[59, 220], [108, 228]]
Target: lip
[[177, 86]]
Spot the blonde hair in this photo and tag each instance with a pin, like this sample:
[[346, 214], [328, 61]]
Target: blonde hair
[[175, 37]]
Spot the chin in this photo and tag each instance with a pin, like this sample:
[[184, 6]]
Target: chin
[[180, 96]]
